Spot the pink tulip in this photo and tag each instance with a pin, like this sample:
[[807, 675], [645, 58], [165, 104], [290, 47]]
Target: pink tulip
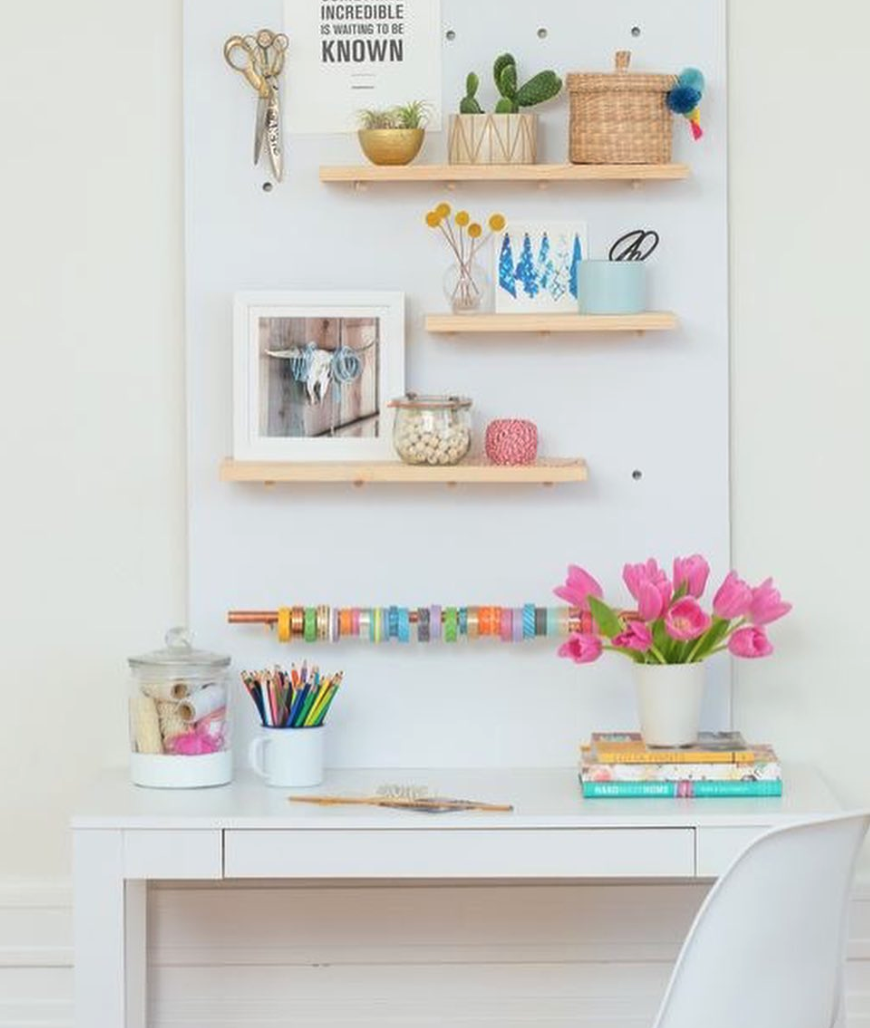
[[692, 572], [579, 586], [636, 636], [767, 605], [651, 604], [582, 649], [750, 643], [650, 586], [733, 599], [686, 620]]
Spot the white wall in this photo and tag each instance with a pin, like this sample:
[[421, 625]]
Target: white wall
[[92, 402], [801, 369], [92, 412]]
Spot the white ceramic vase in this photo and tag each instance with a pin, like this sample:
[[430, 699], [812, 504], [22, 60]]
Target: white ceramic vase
[[669, 702]]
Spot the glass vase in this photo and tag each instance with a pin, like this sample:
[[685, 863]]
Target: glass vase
[[468, 288]]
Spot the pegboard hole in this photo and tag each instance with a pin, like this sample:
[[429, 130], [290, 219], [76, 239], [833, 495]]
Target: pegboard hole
[[267, 187], [636, 31], [637, 475], [543, 33], [450, 35]]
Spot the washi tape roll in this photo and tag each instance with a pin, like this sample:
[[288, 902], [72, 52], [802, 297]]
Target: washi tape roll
[[423, 623], [310, 624], [507, 625], [284, 625], [529, 621], [404, 625], [435, 627], [518, 625], [451, 624]]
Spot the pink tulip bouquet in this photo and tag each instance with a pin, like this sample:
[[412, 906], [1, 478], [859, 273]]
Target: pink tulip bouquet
[[670, 626]]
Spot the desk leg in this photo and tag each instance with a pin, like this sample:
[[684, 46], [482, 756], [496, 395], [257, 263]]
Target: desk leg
[[108, 934]]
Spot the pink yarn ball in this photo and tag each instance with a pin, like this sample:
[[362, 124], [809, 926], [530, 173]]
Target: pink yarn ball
[[512, 441]]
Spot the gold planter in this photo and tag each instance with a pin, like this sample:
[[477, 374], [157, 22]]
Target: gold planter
[[391, 146]]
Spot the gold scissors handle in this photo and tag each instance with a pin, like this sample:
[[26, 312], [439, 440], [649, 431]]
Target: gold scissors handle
[[242, 58]]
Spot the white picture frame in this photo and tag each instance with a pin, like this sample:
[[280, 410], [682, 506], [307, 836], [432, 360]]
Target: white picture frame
[[552, 288], [291, 400]]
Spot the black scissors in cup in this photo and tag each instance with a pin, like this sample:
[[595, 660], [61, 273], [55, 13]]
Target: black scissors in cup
[[635, 246]]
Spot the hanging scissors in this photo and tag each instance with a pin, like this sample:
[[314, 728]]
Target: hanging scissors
[[260, 59]]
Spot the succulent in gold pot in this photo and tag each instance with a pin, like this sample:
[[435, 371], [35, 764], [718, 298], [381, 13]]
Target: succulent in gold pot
[[394, 136]]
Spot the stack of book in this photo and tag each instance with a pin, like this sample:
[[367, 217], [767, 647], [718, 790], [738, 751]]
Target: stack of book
[[619, 764]]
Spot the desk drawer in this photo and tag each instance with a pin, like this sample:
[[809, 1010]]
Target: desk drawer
[[461, 853], [718, 847]]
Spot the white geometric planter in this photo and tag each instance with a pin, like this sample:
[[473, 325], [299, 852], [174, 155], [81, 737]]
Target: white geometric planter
[[669, 702], [493, 139]]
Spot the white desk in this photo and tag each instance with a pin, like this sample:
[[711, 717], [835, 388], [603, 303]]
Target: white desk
[[125, 836]]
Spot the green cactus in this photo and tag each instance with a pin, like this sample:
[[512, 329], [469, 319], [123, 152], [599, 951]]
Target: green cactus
[[507, 83], [469, 104], [544, 86], [502, 62]]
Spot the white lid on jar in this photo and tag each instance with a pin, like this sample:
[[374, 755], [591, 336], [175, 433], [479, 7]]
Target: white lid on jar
[[179, 658]]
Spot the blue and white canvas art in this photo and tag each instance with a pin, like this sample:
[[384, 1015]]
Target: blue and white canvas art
[[537, 267]]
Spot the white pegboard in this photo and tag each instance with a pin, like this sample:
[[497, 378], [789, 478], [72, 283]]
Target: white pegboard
[[656, 405]]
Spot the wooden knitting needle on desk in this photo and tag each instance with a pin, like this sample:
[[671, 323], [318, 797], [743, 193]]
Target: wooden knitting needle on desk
[[426, 804]]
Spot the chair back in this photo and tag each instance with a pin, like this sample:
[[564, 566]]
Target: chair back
[[769, 942]]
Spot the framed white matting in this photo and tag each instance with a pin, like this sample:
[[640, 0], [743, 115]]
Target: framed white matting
[[313, 375]]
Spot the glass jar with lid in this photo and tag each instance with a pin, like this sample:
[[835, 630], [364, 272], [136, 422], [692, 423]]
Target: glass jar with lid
[[432, 429], [180, 717]]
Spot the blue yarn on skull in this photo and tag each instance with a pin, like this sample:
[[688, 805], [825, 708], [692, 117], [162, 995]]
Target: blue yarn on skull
[[346, 365], [300, 364]]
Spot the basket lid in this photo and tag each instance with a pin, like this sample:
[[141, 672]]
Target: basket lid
[[621, 80]]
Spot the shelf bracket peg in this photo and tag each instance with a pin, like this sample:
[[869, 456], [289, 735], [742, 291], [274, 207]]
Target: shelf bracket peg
[[360, 187], [636, 184], [543, 185], [451, 186], [358, 483]]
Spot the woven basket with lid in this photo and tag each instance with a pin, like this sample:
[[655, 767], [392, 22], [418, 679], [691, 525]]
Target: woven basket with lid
[[620, 118]]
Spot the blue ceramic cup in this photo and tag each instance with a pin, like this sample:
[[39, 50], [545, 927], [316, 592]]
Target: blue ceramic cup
[[612, 287]]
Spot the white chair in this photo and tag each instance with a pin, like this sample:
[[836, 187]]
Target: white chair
[[768, 945]]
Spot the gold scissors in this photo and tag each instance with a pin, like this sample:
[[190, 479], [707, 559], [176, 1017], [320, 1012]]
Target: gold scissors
[[260, 59]]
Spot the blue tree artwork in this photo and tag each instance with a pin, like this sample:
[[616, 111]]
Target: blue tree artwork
[[507, 278], [538, 267], [527, 272]]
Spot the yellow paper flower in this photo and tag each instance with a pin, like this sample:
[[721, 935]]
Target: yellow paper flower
[[443, 210], [497, 222], [475, 231], [463, 218], [433, 219]]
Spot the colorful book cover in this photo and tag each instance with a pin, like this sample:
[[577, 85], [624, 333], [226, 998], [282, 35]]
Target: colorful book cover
[[711, 748], [765, 769], [678, 790]]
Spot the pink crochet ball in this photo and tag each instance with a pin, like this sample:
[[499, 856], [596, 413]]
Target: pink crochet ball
[[512, 442]]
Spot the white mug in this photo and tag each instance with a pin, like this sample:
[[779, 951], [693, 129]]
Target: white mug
[[288, 758]]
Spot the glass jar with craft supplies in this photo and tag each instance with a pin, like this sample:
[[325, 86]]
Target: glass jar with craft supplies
[[432, 429], [180, 717]]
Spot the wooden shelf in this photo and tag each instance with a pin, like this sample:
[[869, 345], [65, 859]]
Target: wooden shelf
[[544, 472], [463, 324], [506, 173]]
